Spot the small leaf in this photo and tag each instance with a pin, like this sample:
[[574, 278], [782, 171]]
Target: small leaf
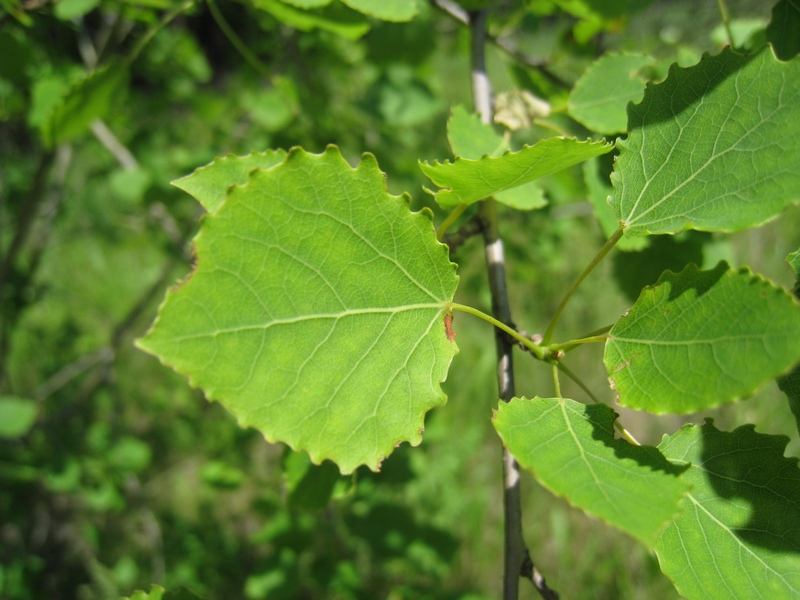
[[89, 99], [306, 4], [385, 10], [469, 138], [739, 533], [712, 147], [17, 416], [334, 18], [698, 339], [316, 310], [467, 181], [208, 185], [600, 96], [783, 30], [67, 10], [571, 449], [528, 196]]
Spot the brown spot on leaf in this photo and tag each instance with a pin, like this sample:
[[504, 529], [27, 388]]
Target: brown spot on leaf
[[448, 327]]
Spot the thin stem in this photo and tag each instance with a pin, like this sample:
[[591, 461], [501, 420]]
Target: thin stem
[[449, 220], [726, 20], [536, 349], [590, 267], [617, 425], [151, 33], [567, 346], [235, 40], [556, 382]]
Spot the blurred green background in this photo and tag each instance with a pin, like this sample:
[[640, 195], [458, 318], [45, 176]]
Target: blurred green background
[[114, 474]]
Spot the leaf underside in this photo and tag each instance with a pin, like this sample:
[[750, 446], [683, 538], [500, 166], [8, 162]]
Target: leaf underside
[[570, 448], [316, 310], [714, 147], [738, 535], [698, 339]]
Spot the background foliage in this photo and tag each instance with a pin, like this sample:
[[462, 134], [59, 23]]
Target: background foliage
[[115, 474]]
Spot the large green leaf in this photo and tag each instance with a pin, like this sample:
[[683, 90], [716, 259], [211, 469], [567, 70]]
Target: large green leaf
[[738, 535], [712, 147], [601, 94], [316, 310], [571, 449], [467, 181], [209, 184], [701, 338]]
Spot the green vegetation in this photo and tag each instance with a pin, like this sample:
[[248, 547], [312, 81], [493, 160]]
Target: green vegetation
[[324, 312]]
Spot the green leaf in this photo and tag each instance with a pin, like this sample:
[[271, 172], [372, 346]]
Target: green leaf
[[711, 147], [698, 339], [790, 383], [306, 4], [156, 593], [783, 30], [469, 138], [316, 310], [598, 185], [739, 533], [528, 196], [334, 18], [89, 99], [600, 96], [571, 449], [309, 486], [17, 416], [67, 10], [467, 181], [385, 10], [208, 185]]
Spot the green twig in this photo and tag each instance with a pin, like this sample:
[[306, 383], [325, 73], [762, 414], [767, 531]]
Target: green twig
[[449, 220], [726, 20], [567, 346], [590, 267], [235, 40], [537, 350], [150, 33]]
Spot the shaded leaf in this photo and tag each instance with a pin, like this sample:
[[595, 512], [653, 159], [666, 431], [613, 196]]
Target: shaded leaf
[[89, 99], [698, 339], [467, 181], [712, 147], [783, 30], [600, 96], [738, 535], [17, 416], [790, 383], [316, 310], [571, 449], [334, 18], [305, 4], [209, 184], [385, 10], [309, 486]]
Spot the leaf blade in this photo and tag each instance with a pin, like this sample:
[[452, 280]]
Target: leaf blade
[[466, 181], [316, 310], [727, 542], [709, 148], [735, 331], [570, 448]]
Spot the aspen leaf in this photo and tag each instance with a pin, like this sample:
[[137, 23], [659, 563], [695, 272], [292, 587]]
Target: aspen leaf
[[315, 312]]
